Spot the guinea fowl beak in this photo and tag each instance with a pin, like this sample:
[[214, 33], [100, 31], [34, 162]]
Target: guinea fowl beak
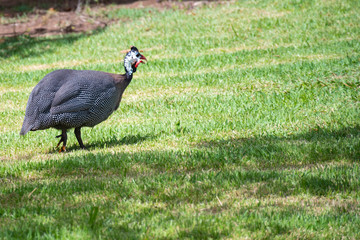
[[140, 61]]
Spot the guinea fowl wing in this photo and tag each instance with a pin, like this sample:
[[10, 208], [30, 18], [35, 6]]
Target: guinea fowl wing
[[73, 97], [84, 102]]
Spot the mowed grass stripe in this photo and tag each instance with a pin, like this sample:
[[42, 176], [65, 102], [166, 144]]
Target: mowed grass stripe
[[223, 57]]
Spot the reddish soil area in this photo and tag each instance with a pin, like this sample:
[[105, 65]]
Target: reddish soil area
[[51, 22], [64, 18]]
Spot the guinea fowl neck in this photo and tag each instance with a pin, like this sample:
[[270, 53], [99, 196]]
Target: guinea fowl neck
[[128, 76], [128, 69]]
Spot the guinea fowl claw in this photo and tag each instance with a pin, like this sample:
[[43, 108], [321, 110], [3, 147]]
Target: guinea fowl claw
[[62, 140], [62, 149]]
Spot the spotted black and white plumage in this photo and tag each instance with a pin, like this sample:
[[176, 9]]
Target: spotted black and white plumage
[[67, 98]]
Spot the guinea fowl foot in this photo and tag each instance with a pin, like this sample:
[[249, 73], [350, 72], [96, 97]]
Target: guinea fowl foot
[[62, 140], [62, 149]]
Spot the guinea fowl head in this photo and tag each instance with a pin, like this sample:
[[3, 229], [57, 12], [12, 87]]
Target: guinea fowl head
[[132, 60]]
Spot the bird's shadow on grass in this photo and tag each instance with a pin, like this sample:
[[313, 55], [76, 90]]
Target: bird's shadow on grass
[[126, 140], [113, 141]]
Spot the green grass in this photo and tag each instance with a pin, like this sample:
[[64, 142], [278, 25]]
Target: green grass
[[245, 123]]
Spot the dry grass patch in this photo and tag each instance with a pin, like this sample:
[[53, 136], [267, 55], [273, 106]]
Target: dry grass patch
[[252, 13], [247, 197], [10, 105], [55, 65], [4, 90], [73, 63]]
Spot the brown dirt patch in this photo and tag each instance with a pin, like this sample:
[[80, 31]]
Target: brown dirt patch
[[63, 20], [51, 22]]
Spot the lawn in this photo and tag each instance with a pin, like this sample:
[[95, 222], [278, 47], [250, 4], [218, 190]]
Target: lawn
[[244, 124]]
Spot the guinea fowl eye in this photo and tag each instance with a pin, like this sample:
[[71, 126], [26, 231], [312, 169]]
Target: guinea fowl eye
[[138, 55]]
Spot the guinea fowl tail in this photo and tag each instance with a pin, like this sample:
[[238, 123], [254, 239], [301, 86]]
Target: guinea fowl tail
[[25, 128]]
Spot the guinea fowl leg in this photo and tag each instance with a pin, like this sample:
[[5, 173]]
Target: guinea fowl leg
[[63, 139], [78, 137]]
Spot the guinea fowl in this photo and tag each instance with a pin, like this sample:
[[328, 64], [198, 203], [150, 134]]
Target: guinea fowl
[[67, 98]]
